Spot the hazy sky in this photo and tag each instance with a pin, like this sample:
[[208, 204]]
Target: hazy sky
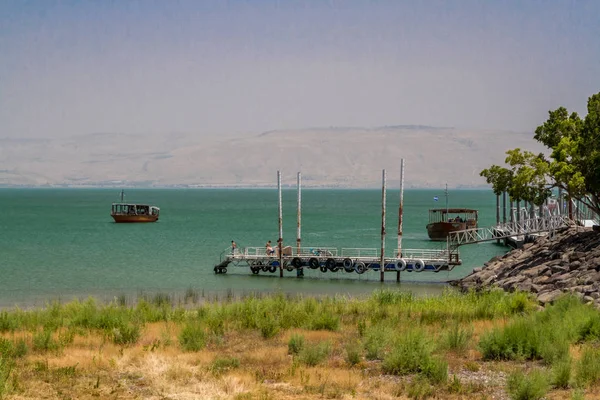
[[212, 67]]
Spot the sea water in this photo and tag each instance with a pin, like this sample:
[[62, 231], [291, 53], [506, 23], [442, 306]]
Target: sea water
[[63, 244]]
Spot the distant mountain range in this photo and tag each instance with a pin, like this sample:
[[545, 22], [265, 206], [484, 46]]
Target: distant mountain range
[[344, 157]]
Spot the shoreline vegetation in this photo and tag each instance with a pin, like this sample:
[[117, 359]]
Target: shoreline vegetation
[[476, 345]]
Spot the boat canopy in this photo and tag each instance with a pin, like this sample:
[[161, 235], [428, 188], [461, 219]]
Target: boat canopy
[[451, 214], [134, 209]]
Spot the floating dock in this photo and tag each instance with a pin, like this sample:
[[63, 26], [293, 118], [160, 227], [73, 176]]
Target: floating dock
[[333, 260]]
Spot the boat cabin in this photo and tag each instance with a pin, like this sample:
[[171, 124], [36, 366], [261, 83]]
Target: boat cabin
[[465, 215], [134, 209]]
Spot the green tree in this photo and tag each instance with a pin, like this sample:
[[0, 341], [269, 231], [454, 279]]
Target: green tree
[[574, 163]]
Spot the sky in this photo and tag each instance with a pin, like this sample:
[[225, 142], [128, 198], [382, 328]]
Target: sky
[[212, 68]]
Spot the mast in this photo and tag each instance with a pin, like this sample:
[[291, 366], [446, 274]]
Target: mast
[[299, 218], [446, 194], [382, 261], [400, 208], [280, 240], [122, 195]]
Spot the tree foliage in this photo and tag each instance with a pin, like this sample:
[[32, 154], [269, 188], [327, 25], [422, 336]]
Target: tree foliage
[[574, 163]]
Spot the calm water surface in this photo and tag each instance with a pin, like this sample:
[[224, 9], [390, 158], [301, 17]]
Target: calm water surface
[[63, 244]]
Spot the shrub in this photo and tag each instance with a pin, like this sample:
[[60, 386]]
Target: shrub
[[578, 395], [42, 341], [221, 365], [295, 344], [376, 339], [420, 388], [325, 321], [353, 354], [590, 330], [561, 374], [314, 354], [436, 370], [6, 366], [410, 355], [518, 340], [269, 327], [8, 321], [457, 338], [125, 333], [588, 367], [192, 337], [527, 387]]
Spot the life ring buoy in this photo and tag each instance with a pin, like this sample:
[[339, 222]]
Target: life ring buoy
[[419, 265], [323, 268], [331, 265], [401, 264], [360, 267], [296, 262], [313, 263], [348, 265]]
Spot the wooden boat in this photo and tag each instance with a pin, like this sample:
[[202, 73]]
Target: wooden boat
[[129, 212], [442, 221]]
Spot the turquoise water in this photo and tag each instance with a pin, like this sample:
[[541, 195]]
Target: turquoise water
[[62, 243]]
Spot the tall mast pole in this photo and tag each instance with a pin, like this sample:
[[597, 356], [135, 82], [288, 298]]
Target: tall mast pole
[[400, 208], [298, 239], [400, 211], [382, 261], [280, 240], [446, 194]]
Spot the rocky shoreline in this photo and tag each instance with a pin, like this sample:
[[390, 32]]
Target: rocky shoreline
[[568, 262]]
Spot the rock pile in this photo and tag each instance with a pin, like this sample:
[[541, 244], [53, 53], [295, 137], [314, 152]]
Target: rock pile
[[568, 262]]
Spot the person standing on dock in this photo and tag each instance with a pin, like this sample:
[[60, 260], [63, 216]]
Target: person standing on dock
[[233, 247]]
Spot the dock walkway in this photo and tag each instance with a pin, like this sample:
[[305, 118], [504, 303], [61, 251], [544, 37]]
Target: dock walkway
[[331, 259]]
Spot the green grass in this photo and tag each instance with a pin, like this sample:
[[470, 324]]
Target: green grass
[[413, 353], [546, 335], [314, 354], [223, 364], [587, 371], [401, 333], [532, 386], [457, 338], [192, 337], [295, 344], [353, 354]]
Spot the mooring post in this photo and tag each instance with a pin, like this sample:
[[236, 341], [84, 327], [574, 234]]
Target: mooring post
[[497, 209], [400, 209], [560, 202], [382, 262], [497, 213], [299, 271], [280, 240], [504, 207], [299, 218]]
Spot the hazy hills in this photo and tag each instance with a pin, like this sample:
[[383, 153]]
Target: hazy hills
[[331, 157]]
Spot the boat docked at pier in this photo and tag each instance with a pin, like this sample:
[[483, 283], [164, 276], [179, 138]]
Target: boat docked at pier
[[133, 212], [442, 221]]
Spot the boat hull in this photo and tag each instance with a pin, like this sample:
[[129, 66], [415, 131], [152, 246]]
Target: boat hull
[[135, 218], [440, 230]]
